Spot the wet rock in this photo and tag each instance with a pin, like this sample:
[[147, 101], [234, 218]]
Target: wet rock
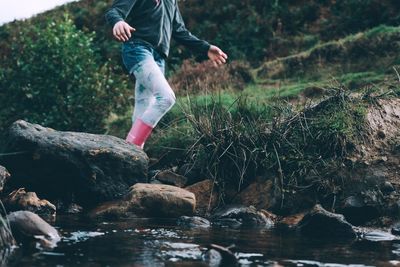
[[193, 222], [245, 216], [378, 236], [219, 256], [171, 178], [362, 207], [22, 200], [4, 175], [290, 222], [387, 187], [92, 168], [27, 226], [73, 208], [396, 229], [257, 194], [161, 200], [206, 196], [321, 223], [110, 210], [150, 200]]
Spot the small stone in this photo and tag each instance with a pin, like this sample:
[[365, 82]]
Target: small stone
[[110, 210], [290, 222], [73, 208], [247, 216], [220, 256], [193, 222], [321, 223], [361, 208], [171, 178], [22, 200]]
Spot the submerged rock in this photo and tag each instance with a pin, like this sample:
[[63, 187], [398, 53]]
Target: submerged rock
[[171, 178], [151, 200], [206, 196], [60, 165], [242, 216], [22, 200], [321, 223], [4, 175], [193, 222], [27, 226], [219, 256]]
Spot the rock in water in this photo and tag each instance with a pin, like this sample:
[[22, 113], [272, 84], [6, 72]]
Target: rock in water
[[193, 222], [161, 200], [91, 168], [321, 223], [244, 216], [22, 200], [150, 200], [27, 226]]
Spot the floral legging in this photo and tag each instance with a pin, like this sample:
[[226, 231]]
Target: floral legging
[[153, 95]]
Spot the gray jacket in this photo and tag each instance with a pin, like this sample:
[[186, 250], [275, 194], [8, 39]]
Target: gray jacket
[[155, 21]]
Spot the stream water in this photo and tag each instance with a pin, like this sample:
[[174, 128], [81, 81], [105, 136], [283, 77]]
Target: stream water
[[151, 242]]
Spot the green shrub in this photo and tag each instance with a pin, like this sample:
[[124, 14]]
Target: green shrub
[[54, 77]]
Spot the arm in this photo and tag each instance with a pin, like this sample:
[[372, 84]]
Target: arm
[[116, 16], [119, 11], [184, 37]]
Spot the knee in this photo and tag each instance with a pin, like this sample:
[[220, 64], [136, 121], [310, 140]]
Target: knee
[[168, 101]]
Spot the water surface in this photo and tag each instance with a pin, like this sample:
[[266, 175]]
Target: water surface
[[156, 242]]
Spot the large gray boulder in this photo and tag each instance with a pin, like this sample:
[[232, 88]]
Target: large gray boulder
[[66, 166]]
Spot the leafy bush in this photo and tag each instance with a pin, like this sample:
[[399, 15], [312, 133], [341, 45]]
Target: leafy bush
[[54, 77]]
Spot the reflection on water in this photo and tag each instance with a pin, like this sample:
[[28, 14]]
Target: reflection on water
[[151, 242]]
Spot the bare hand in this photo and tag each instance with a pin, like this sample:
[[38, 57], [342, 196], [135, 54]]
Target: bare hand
[[122, 31], [216, 55]]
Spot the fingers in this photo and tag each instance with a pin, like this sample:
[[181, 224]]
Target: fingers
[[122, 31]]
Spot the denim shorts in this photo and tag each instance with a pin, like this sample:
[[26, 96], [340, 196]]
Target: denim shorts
[[135, 51]]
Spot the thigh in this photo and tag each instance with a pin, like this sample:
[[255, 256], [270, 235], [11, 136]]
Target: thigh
[[135, 52], [149, 74]]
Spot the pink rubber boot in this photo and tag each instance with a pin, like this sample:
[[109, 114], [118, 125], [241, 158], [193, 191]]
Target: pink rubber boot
[[139, 133]]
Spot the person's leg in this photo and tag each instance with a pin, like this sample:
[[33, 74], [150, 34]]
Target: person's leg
[[142, 100], [150, 109]]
